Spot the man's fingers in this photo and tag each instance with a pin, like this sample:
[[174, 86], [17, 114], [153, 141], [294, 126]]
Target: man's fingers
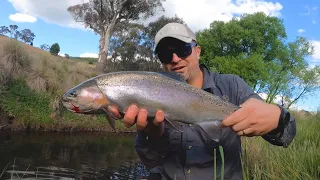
[[114, 111], [246, 132], [241, 125], [251, 131], [159, 117], [142, 119], [237, 116], [130, 116]]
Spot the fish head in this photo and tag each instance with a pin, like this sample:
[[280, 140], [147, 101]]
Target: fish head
[[85, 98]]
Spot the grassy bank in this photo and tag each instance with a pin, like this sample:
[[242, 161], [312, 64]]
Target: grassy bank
[[32, 82], [301, 160]]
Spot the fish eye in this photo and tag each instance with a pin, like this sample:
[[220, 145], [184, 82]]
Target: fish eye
[[73, 93]]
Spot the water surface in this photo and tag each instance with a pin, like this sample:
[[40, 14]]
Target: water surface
[[78, 155]]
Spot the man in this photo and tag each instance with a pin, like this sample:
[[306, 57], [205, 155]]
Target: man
[[189, 154]]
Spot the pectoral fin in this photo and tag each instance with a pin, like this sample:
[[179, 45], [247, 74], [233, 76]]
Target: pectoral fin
[[171, 125], [212, 128], [111, 118]]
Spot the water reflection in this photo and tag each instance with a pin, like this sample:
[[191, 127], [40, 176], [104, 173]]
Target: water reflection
[[69, 156]]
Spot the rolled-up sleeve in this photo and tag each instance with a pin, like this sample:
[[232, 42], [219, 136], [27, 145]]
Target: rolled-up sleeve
[[284, 134]]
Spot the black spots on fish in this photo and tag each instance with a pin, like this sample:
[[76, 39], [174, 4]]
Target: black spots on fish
[[219, 104], [154, 78], [225, 98], [173, 75]]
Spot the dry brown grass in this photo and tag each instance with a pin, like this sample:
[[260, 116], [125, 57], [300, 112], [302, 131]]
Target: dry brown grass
[[14, 61], [42, 71]]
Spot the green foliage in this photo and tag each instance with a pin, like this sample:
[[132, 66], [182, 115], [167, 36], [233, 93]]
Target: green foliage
[[4, 30], [253, 36], [131, 46], [249, 68], [13, 31], [45, 47], [287, 73], [55, 49], [254, 47], [98, 14], [25, 35], [91, 62], [85, 59]]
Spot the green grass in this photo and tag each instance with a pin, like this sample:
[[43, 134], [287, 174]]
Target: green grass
[[19, 100], [87, 59], [301, 160], [34, 111]]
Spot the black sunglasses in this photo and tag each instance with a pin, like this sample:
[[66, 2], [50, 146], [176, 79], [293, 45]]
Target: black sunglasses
[[165, 54]]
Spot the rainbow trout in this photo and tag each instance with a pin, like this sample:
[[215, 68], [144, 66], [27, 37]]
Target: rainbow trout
[[152, 91]]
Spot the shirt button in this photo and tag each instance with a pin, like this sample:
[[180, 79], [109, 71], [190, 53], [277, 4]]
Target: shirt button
[[190, 147], [189, 171], [190, 125]]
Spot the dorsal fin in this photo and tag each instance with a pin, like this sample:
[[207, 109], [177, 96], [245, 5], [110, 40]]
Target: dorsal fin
[[173, 75]]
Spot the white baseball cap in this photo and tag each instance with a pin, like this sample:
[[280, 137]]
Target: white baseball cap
[[175, 30]]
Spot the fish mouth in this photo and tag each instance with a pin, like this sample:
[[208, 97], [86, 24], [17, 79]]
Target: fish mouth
[[70, 106], [76, 109]]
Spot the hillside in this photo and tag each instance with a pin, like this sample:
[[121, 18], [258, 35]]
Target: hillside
[[32, 82]]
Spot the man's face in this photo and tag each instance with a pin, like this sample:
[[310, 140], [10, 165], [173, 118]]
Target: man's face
[[178, 56]]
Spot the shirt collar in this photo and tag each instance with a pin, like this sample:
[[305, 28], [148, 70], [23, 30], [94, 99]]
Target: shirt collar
[[208, 81]]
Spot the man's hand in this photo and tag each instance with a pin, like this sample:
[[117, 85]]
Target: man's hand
[[254, 118], [137, 116]]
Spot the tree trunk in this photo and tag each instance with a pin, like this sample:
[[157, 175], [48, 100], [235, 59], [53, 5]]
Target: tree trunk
[[104, 46], [102, 54]]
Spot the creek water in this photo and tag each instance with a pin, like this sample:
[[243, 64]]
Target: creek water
[[80, 155]]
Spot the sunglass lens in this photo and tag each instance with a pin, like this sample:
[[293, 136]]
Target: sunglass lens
[[165, 57], [184, 51]]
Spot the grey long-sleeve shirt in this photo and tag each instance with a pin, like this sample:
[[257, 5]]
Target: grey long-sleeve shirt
[[190, 155]]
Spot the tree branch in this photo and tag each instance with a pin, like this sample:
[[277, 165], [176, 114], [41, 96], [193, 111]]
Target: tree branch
[[303, 91], [112, 6]]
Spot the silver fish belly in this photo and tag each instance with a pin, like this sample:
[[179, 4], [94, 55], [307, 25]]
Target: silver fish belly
[[179, 100]]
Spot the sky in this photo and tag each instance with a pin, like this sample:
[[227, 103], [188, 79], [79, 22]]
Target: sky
[[51, 23]]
